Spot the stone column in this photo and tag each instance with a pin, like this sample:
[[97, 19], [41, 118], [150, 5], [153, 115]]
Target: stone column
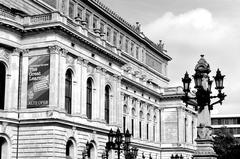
[[54, 52]]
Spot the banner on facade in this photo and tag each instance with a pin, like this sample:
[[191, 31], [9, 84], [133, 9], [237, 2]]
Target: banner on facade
[[38, 81]]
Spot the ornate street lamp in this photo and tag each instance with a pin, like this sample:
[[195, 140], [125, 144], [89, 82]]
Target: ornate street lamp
[[176, 156], [116, 142], [202, 102], [203, 86]]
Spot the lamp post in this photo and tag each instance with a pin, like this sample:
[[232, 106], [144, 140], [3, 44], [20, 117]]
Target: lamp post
[[203, 102], [121, 142]]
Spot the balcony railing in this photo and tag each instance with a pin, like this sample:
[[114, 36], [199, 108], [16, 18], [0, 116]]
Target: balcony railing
[[6, 14], [42, 18]]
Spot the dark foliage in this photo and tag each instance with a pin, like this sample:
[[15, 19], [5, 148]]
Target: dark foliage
[[225, 145]]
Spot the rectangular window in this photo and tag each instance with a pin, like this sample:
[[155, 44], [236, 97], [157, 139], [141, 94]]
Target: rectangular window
[[95, 22], [121, 42], [115, 38], [137, 52], [154, 132], [235, 121], [109, 34], [147, 132], [80, 12], [133, 127], [51, 2], [126, 45], [214, 121], [140, 129], [131, 49], [142, 55], [124, 124], [71, 9], [102, 27], [88, 19], [238, 120]]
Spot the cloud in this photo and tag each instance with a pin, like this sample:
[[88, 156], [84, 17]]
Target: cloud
[[194, 25], [196, 32]]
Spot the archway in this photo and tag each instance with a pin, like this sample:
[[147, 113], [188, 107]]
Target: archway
[[3, 148]]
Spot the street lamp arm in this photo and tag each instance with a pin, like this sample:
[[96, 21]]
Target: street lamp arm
[[189, 100], [221, 97]]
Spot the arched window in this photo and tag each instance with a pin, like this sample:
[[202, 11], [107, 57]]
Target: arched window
[[89, 98], [68, 91], [91, 151], [107, 103], [140, 124], [70, 150], [3, 148], [2, 84]]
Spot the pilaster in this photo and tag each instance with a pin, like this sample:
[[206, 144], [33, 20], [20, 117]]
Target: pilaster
[[84, 76], [102, 96], [61, 83], [24, 80], [54, 52], [14, 84], [97, 98], [78, 89]]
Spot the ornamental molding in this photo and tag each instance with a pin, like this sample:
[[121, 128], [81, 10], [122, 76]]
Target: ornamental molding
[[4, 54], [63, 52], [54, 49], [70, 60], [16, 52], [79, 60]]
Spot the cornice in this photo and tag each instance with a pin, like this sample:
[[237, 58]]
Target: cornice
[[114, 16], [141, 87], [63, 27]]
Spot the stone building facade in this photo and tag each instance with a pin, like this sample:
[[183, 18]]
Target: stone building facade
[[71, 70]]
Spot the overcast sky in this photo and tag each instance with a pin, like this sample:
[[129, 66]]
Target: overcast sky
[[190, 28]]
